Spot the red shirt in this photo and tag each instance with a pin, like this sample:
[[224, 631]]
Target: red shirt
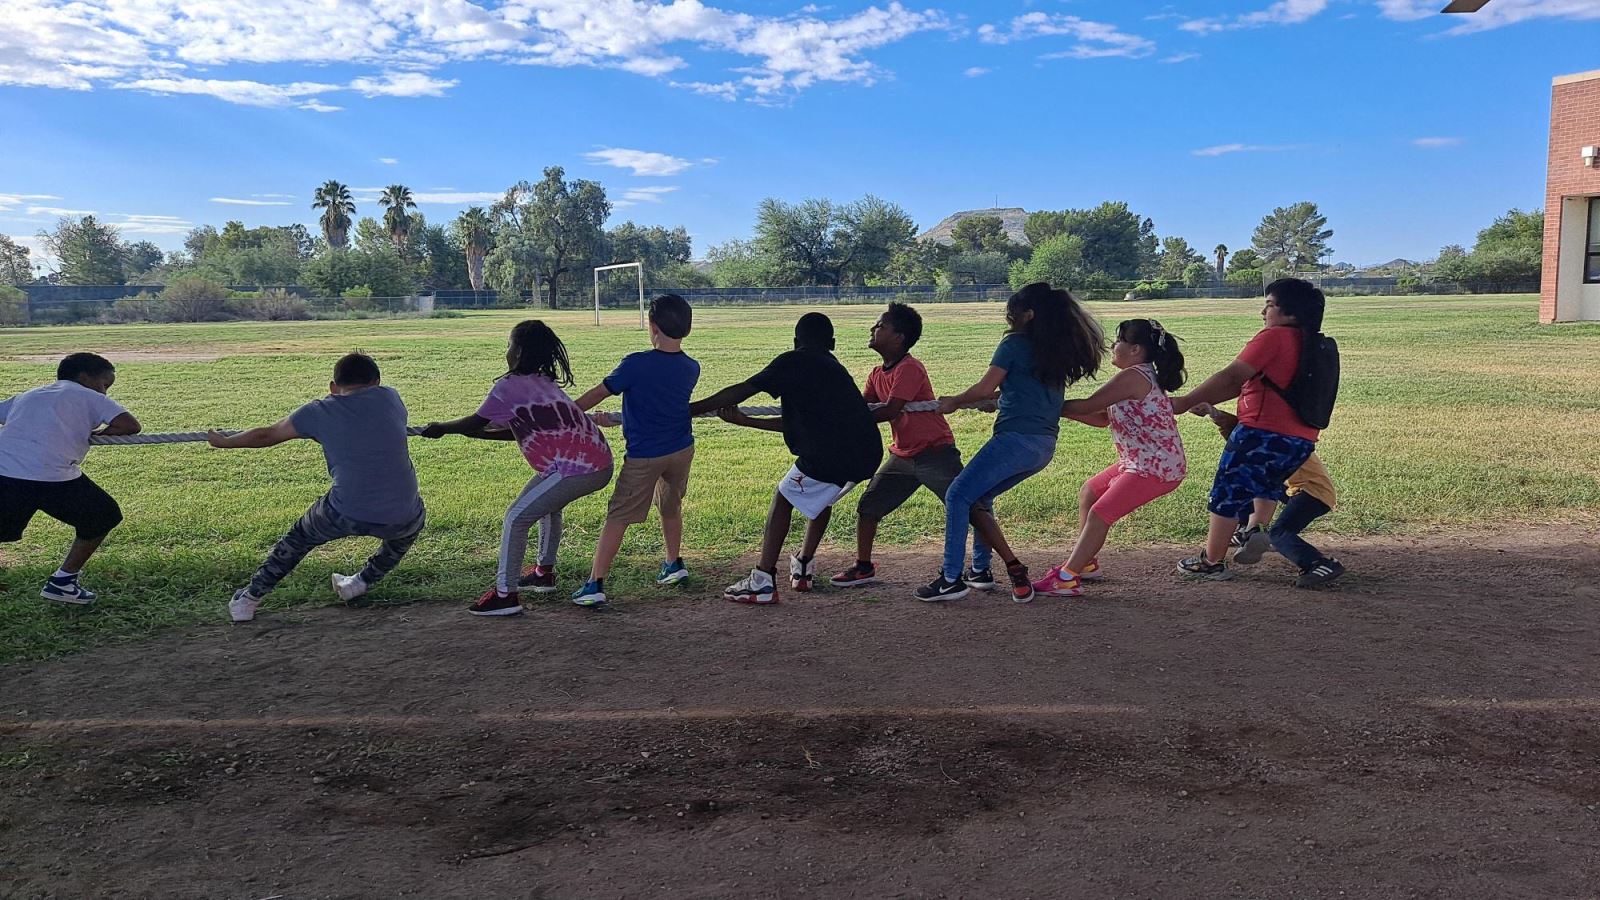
[[1275, 353], [913, 432]]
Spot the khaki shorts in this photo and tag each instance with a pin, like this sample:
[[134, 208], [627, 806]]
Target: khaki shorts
[[666, 478]]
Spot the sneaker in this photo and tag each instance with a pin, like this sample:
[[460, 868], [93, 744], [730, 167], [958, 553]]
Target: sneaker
[[940, 590], [539, 579], [857, 575], [1253, 544], [672, 572], [1021, 587], [1058, 582], [494, 603], [980, 579], [243, 606], [1240, 533], [758, 589], [800, 573], [1320, 574], [348, 587], [592, 594], [1091, 571], [68, 591], [1199, 567]]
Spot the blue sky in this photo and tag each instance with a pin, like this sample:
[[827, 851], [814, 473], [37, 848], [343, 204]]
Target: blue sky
[[1410, 129]]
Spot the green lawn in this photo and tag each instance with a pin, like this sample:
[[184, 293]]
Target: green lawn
[[1453, 411]]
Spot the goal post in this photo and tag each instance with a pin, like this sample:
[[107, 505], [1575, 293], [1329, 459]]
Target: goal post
[[639, 271]]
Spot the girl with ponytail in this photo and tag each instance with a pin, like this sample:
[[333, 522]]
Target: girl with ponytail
[[1150, 459]]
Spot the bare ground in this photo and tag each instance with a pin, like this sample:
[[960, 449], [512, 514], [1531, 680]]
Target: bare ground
[[1429, 729]]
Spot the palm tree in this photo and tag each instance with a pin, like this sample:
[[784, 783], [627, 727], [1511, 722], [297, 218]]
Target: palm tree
[[396, 199], [473, 230], [337, 208], [1222, 261]]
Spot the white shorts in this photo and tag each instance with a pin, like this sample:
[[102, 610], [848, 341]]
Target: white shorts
[[809, 495]]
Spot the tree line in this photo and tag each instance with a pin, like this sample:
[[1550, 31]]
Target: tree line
[[542, 238]]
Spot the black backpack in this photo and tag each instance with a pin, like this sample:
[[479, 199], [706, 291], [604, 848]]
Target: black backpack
[[1316, 384]]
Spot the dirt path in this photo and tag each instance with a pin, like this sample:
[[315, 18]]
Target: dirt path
[[1431, 729]]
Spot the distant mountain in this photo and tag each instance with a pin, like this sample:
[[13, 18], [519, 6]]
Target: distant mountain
[[1011, 219], [1393, 265]]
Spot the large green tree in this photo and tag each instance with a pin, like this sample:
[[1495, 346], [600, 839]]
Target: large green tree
[[984, 234], [89, 252], [548, 229], [654, 245], [1294, 236], [474, 232], [740, 264], [15, 265], [378, 268], [1176, 258], [396, 199], [1058, 261], [338, 211], [821, 242], [1117, 243]]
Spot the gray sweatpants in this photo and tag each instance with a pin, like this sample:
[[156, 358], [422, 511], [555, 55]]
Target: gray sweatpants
[[322, 524], [540, 502]]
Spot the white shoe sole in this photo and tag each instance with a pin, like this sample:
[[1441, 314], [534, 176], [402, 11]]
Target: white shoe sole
[[74, 600], [512, 611], [354, 590], [674, 578], [943, 597], [589, 600], [850, 584], [544, 590]]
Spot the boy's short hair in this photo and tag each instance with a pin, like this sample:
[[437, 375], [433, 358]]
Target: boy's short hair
[[905, 321], [355, 369], [1301, 299], [76, 364], [814, 331], [672, 315]]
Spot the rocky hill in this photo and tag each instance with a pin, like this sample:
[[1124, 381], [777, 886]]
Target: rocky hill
[[1011, 219]]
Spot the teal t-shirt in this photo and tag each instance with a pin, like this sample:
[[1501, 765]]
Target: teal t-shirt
[[1027, 405]]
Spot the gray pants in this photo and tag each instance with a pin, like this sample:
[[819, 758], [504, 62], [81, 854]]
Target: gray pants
[[540, 502], [322, 524]]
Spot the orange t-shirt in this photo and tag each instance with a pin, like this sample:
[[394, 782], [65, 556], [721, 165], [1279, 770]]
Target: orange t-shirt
[[913, 432], [1275, 353]]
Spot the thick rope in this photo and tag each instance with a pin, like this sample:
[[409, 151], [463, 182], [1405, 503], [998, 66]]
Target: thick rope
[[189, 437]]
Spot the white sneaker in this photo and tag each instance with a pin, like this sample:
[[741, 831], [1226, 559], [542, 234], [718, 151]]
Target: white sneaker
[[758, 589], [348, 587], [242, 608], [801, 573], [71, 592]]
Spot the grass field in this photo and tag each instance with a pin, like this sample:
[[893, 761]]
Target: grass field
[[1453, 411]]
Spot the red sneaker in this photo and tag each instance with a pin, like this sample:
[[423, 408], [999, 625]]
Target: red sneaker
[[494, 603]]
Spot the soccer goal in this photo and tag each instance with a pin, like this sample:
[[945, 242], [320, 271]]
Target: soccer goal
[[639, 271]]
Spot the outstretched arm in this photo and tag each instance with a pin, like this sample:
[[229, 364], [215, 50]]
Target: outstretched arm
[[593, 396], [733, 416], [732, 395], [254, 438], [889, 410], [123, 424], [983, 390], [473, 426], [1219, 388], [1091, 410]]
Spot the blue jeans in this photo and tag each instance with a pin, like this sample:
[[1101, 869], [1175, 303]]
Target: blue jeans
[[1301, 510], [1005, 462]]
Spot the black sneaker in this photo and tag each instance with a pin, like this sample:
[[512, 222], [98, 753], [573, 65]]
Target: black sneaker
[[1253, 544], [539, 579], [494, 603], [1320, 575], [980, 579], [1021, 584], [940, 589], [1200, 567]]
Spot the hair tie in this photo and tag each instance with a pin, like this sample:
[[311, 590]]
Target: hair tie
[[1159, 332]]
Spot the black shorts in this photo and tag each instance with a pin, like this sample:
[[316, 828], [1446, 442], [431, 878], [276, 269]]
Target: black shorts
[[80, 503]]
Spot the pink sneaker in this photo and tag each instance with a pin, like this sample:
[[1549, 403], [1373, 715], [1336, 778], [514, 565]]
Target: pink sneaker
[[1058, 582], [1091, 572]]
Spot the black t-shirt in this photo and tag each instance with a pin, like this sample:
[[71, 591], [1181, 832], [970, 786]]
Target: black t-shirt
[[826, 423]]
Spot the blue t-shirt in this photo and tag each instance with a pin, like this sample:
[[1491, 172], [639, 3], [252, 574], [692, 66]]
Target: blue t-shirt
[[1027, 405], [363, 438], [655, 386]]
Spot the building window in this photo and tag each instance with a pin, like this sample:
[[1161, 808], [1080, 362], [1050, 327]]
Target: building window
[[1591, 250]]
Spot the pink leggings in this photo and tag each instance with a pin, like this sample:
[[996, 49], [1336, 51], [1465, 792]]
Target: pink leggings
[[1116, 493]]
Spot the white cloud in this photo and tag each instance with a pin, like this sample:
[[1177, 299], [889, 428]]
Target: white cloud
[[642, 162], [1225, 149], [11, 201], [1435, 143], [1095, 40], [403, 84], [1180, 57], [976, 71], [237, 201], [275, 196], [388, 160], [635, 196], [1506, 12], [180, 47], [58, 211], [1283, 12], [457, 198]]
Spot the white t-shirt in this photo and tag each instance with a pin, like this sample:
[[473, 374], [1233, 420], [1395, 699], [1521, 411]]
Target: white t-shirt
[[47, 429]]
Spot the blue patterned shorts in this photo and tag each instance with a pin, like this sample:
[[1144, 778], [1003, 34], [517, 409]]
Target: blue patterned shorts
[[1253, 467]]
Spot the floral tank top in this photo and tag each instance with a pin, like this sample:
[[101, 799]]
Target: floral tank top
[[1146, 433]]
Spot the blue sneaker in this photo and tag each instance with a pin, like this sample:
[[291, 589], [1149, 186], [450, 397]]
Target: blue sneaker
[[68, 590], [592, 594], [672, 572]]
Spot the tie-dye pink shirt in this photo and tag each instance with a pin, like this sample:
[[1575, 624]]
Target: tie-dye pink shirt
[[555, 435]]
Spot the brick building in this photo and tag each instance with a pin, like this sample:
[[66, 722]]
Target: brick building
[[1571, 288]]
